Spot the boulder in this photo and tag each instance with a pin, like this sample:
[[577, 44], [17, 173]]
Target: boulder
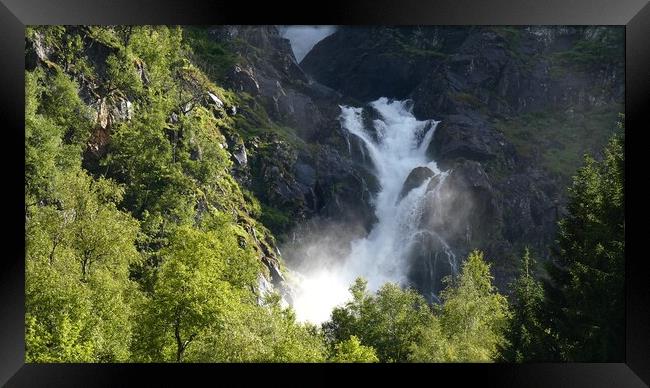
[[240, 155], [463, 207], [415, 178], [243, 79], [214, 100]]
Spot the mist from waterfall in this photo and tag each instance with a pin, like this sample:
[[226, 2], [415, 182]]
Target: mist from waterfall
[[396, 144]]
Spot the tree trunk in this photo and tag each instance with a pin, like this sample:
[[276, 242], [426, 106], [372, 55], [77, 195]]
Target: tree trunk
[[179, 343]]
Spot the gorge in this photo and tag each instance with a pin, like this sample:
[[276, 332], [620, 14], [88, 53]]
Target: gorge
[[323, 193]]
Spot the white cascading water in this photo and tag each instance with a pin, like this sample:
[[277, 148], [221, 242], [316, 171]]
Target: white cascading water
[[380, 257]]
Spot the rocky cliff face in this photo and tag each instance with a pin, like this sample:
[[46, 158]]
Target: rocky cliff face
[[287, 146], [306, 170], [109, 106], [512, 104], [490, 86]]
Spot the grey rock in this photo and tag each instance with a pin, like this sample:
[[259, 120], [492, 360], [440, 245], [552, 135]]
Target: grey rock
[[468, 136], [244, 80], [415, 178], [215, 100], [305, 174], [240, 155]]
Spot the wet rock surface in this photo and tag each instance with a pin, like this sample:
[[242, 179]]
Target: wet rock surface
[[471, 78], [417, 176]]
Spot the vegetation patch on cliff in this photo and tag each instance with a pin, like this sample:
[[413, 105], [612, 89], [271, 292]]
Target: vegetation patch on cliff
[[558, 139]]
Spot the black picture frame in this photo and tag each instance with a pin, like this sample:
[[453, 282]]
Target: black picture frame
[[15, 14]]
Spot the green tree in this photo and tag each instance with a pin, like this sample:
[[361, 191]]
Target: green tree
[[472, 318], [56, 125], [160, 48], [388, 321], [141, 157], [122, 75], [585, 294], [197, 233], [525, 332], [78, 292], [261, 333], [60, 101], [58, 310], [203, 275], [79, 246], [351, 350]]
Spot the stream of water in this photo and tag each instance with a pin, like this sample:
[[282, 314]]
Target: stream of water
[[396, 144]]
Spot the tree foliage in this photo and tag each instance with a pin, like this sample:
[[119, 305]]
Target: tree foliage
[[79, 245], [526, 334], [388, 321], [155, 256], [351, 350], [585, 294], [467, 327], [470, 321], [78, 293], [202, 276], [264, 333]]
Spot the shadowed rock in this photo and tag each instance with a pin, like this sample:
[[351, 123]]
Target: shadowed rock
[[414, 180]]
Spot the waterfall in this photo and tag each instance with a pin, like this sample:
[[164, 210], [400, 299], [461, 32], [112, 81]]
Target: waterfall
[[398, 146]]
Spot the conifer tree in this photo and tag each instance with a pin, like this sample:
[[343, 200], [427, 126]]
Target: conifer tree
[[585, 294], [525, 332]]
